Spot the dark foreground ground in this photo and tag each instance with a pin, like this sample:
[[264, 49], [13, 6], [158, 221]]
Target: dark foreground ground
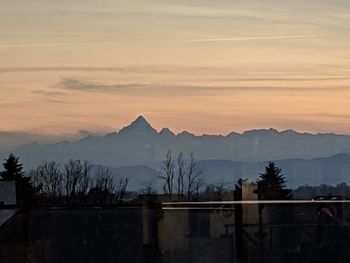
[[297, 233]]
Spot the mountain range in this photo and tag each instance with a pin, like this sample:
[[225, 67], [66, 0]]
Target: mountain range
[[138, 149], [140, 144]]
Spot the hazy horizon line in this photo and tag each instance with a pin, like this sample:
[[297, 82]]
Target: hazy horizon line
[[85, 132]]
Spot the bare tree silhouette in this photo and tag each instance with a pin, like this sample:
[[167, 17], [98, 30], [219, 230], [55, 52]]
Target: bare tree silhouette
[[167, 174]]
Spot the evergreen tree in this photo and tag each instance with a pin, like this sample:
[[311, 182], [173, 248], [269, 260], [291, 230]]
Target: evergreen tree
[[271, 184], [12, 168], [25, 192]]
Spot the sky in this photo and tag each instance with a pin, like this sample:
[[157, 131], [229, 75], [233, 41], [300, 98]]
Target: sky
[[205, 66]]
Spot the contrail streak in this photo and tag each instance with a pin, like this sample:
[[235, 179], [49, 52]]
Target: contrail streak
[[36, 45], [247, 38]]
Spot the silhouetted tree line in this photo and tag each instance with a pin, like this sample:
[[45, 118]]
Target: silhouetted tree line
[[181, 177], [74, 183], [218, 192], [77, 183], [309, 192]]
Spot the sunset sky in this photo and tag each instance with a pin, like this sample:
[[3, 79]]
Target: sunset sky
[[201, 65]]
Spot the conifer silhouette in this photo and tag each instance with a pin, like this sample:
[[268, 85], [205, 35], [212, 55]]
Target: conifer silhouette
[[271, 184], [13, 169]]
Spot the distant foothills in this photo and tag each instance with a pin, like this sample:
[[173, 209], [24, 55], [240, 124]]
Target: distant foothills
[[137, 152]]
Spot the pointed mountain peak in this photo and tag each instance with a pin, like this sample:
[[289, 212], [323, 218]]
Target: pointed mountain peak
[[140, 125], [140, 119], [186, 134], [140, 122], [232, 134], [166, 132]]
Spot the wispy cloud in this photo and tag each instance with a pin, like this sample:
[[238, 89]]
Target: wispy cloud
[[79, 44], [135, 69], [213, 72], [172, 89], [54, 96], [248, 38], [75, 84], [132, 89]]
